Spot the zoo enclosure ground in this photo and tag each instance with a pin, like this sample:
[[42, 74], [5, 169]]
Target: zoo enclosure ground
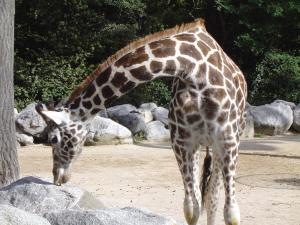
[[146, 175]]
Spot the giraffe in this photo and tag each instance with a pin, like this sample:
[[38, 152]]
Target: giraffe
[[207, 109]]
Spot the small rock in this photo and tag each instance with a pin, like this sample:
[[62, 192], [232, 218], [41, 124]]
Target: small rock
[[161, 114], [148, 106], [106, 131], [156, 131], [128, 116], [147, 115], [31, 123], [272, 119]]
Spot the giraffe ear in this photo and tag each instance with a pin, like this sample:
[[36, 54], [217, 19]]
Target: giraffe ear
[[57, 117]]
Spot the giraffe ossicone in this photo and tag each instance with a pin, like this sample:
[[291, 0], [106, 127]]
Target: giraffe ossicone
[[207, 109]]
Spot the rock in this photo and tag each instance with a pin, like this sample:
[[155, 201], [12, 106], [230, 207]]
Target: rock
[[249, 129], [24, 139], [148, 106], [124, 216], [156, 131], [106, 131], [30, 122], [146, 114], [272, 119], [161, 114], [10, 215], [296, 118], [37, 196], [128, 116], [290, 104]]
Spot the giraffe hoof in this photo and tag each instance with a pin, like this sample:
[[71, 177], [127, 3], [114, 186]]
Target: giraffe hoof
[[234, 222], [232, 215]]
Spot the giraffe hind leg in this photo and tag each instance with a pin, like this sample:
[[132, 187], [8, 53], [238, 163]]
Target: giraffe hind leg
[[229, 150], [211, 195]]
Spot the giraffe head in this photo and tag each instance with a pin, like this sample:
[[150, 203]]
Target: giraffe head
[[67, 137]]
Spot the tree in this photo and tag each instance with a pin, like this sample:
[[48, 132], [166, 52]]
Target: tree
[[9, 166]]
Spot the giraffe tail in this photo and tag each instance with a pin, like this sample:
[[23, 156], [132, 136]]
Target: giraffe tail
[[206, 173]]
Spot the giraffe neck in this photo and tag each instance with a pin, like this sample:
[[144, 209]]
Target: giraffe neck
[[184, 55], [131, 70]]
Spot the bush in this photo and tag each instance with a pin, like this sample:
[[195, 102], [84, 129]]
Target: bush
[[50, 78], [277, 77]]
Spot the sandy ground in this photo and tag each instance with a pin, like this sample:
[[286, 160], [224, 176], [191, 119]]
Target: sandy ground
[[146, 175]]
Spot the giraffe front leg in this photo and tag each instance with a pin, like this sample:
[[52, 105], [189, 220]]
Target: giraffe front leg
[[229, 159], [188, 161]]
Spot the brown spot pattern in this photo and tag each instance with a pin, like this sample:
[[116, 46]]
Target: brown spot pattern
[[163, 48], [156, 66], [203, 47], [119, 79], [185, 65], [190, 50], [186, 37], [107, 92], [132, 58], [170, 67], [215, 77], [103, 77], [215, 60], [207, 40], [89, 91], [141, 73], [127, 87], [210, 108]]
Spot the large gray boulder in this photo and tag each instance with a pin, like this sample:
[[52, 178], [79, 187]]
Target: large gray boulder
[[272, 119], [125, 216], [156, 131], [161, 114], [296, 119], [128, 116], [292, 105], [10, 215], [31, 123], [37, 196], [106, 131]]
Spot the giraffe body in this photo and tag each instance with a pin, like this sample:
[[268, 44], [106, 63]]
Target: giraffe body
[[207, 109]]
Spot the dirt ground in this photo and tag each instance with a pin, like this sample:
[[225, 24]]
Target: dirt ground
[[146, 175]]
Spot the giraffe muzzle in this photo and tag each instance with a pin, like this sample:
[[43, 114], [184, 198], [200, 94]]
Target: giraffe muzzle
[[61, 176]]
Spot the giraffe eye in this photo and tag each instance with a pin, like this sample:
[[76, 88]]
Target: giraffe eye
[[54, 140]]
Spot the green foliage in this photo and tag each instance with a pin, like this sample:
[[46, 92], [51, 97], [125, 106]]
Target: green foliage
[[58, 42], [277, 77], [47, 79], [255, 27]]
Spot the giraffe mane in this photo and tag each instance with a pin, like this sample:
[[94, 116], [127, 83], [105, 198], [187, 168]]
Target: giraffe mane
[[131, 46]]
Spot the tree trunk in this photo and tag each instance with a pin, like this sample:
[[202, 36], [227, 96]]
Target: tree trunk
[[9, 166]]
